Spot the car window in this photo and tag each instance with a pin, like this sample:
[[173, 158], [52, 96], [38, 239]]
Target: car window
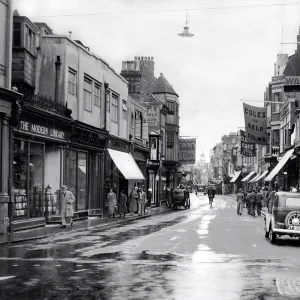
[[292, 202]]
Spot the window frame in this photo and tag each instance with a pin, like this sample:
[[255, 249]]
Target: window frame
[[74, 84], [86, 91], [114, 108], [97, 85]]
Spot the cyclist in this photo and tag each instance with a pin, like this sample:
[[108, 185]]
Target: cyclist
[[211, 195]]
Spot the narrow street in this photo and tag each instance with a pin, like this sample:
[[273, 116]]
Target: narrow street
[[200, 253]]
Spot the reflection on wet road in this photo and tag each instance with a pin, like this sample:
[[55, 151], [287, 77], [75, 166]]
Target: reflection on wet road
[[201, 253]]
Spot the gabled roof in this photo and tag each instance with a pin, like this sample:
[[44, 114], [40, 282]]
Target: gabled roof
[[293, 65], [162, 86]]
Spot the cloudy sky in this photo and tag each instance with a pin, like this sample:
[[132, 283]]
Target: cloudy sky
[[231, 56]]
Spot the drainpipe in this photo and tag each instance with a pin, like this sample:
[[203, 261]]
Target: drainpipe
[[106, 85], [57, 69], [8, 49]]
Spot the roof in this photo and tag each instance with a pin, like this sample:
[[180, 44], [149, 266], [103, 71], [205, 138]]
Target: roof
[[293, 66], [162, 86]]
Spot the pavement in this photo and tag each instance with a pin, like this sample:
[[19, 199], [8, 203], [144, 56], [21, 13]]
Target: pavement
[[79, 225]]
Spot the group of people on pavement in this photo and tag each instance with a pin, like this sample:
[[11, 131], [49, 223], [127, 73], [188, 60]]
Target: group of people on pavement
[[137, 202], [255, 199]]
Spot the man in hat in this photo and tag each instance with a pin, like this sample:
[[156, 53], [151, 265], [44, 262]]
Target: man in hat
[[67, 200]]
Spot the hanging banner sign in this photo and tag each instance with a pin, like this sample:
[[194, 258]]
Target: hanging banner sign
[[247, 149], [256, 124], [187, 151]]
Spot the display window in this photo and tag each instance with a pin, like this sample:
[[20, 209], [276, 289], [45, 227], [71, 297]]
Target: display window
[[36, 179], [75, 176]]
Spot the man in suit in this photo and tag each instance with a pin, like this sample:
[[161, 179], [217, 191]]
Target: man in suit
[[67, 200]]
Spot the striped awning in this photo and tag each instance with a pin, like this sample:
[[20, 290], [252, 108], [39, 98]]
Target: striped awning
[[280, 164], [254, 179], [262, 175], [235, 176], [248, 176]]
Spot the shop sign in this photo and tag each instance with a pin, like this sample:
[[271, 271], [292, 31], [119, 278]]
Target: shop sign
[[29, 127], [292, 80], [187, 151], [256, 124], [118, 145], [247, 149], [153, 117]]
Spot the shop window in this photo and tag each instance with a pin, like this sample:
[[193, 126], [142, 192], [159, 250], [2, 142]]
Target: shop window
[[75, 176], [28, 169], [96, 200], [87, 94], [138, 125], [82, 180]]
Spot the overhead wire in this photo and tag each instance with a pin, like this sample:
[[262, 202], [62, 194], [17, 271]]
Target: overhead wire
[[169, 10]]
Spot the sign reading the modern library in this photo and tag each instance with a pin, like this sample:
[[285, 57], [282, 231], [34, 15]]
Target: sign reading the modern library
[[40, 130], [187, 151], [256, 124], [247, 149]]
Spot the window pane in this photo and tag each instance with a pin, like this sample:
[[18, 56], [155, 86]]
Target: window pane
[[35, 203], [20, 168], [82, 180], [70, 171]]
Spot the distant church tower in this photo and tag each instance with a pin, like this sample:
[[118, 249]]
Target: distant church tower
[[202, 159]]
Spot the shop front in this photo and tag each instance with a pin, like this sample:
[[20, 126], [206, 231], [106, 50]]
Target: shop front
[[36, 171], [47, 155], [122, 171]]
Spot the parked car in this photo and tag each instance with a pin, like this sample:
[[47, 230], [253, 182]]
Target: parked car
[[179, 199], [284, 218]]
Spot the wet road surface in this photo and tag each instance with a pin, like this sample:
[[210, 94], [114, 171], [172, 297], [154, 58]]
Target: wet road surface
[[201, 253]]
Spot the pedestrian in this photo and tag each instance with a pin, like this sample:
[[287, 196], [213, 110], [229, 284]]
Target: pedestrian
[[259, 199], [142, 201], [187, 196], [271, 199], [122, 204], [112, 202], [133, 201], [252, 202], [240, 202], [67, 200], [149, 200]]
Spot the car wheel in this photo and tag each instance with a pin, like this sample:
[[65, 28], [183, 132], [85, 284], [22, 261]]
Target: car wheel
[[266, 234], [292, 219], [272, 236]]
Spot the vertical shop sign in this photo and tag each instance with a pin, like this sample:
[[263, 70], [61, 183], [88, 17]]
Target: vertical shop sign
[[153, 117], [247, 149], [256, 124], [187, 151]]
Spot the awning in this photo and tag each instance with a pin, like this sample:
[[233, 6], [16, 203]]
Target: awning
[[248, 176], [254, 179], [126, 164], [280, 164], [262, 175], [235, 176]]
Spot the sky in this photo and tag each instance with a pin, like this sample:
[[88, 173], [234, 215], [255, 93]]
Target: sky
[[231, 56]]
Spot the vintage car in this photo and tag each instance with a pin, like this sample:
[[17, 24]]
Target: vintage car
[[179, 199], [285, 217]]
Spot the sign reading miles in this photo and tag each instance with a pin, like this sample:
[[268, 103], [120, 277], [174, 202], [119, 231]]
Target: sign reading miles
[[187, 151]]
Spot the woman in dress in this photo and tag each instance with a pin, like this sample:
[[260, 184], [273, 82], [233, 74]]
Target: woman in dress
[[112, 202], [122, 204], [133, 201]]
